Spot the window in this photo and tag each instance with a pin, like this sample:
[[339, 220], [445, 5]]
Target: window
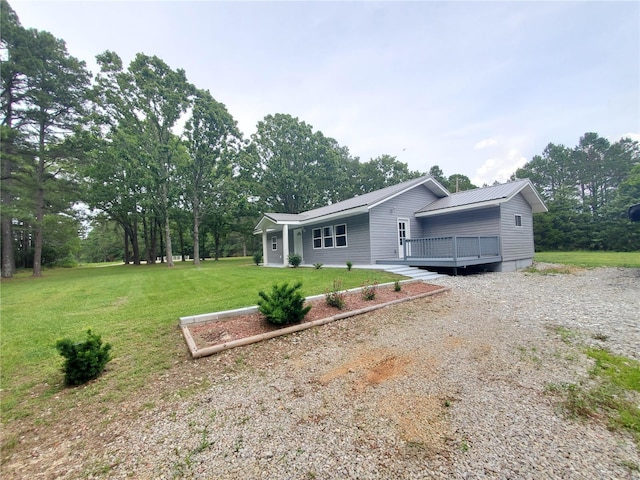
[[317, 238], [327, 237], [341, 235], [274, 243], [518, 220]]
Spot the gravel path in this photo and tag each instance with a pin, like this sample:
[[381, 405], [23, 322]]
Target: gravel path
[[453, 386]]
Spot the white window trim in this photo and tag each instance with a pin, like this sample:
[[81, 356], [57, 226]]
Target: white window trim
[[332, 237], [335, 236], [314, 238], [274, 243], [517, 215]]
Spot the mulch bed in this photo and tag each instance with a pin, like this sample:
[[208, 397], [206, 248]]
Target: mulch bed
[[243, 326]]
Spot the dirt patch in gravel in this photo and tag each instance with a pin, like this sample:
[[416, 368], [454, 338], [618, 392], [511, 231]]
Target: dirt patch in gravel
[[243, 326]]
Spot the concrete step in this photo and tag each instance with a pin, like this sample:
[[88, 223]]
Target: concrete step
[[411, 272]]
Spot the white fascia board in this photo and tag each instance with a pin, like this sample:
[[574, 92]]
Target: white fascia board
[[530, 194], [461, 208], [335, 216]]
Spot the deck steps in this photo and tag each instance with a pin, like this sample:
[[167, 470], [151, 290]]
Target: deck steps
[[411, 272]]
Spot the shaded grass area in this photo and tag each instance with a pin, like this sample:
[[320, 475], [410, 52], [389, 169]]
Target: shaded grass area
[[135, 308], [591, 259]]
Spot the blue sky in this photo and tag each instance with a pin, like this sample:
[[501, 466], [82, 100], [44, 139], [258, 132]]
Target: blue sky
[[477, 88]]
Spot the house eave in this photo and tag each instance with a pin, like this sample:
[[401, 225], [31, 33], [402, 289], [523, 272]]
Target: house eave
[[460, 208], [272, 225]]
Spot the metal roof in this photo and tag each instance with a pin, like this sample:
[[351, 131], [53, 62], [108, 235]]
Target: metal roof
[[352, 205], [485, 196]]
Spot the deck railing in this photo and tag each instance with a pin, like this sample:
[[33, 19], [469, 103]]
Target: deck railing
[[452, 247]]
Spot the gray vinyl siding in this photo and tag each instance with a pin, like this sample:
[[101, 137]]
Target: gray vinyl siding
[[517, 242], [274, 256], [384, 221], [485, 221], [357, 251]]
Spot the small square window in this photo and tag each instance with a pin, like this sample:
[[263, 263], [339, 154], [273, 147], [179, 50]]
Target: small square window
[[518, 220]]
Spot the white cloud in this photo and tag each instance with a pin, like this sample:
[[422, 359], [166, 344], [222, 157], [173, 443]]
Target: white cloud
[[499, 168], [633, 136], [487, 142]]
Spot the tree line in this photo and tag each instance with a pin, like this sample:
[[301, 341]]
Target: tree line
[[588, 190], [110, 144]]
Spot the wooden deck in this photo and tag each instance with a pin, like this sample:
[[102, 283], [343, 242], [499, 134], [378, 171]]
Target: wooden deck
[[453, 252]]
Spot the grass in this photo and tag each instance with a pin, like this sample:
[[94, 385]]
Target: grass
[[591, 259], [612, 394], [135, 308]]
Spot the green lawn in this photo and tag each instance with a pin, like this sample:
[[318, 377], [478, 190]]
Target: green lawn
[[591, 259], [135, 308]]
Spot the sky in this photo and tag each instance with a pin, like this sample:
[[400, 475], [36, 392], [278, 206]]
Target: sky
[[477, 88]]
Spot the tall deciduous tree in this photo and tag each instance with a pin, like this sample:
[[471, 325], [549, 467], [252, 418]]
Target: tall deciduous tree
[[294, 164], [211, 138], [383, 171], [144, 103]]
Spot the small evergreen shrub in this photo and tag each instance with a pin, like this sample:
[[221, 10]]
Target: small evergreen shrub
[[84, 361], [284, 305], [349, 265], [396, 286], [335, 297], [295, 260], [369, 290], [317, 266], [257, 258]]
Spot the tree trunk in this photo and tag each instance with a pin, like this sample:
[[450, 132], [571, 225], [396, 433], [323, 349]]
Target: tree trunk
[[8, 254], [196, 233], [37, 250], [216, 239], [167, 226], [127, 259]]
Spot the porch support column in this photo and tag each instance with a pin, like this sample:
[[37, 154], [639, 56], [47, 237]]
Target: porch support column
[[265, 250], [285, 245]]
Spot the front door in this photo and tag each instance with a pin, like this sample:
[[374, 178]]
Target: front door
[[403, 234], [297, 242]]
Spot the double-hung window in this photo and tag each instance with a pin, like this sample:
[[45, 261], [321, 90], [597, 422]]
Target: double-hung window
[[317, 238], [518, 220], [341, 235], [274, 243], [327, 237]]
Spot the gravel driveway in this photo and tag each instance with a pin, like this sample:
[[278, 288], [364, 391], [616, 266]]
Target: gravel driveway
[[452, 386]]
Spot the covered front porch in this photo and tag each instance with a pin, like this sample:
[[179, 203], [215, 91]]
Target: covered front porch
[[451, 251]]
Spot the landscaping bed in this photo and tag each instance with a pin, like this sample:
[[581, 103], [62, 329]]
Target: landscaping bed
[[241, 329]]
